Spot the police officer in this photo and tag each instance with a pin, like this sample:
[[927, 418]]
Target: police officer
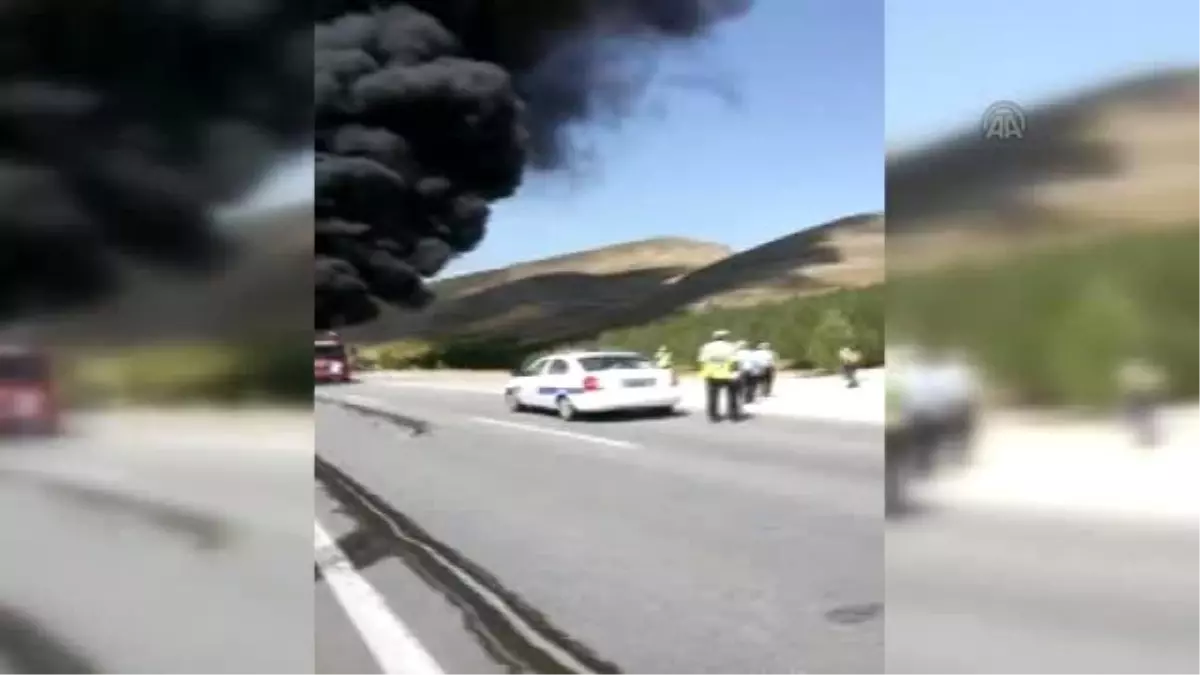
[[850, 359], [718, 368], [764, 359], [663, 358], [1140, 384], [747, 372]]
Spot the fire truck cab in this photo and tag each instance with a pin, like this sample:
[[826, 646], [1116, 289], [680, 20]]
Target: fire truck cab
[[331, 360], [29, 402]]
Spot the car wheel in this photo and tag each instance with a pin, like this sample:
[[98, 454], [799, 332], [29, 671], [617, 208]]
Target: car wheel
[[663, 411], [513, 403], [566, 409]]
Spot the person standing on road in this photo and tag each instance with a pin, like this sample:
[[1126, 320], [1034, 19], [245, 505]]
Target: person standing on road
[[663, 358], [1140, 384], [718, 369], [850, 359], [747, 379], [764, 359]]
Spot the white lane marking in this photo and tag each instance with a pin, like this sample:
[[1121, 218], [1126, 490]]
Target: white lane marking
[[556, 432], [1125, 497], [869, 412], [514, 618], [393, 645], [495, 390]]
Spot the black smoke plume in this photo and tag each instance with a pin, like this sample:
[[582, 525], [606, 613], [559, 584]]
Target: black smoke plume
[[125, 123], [428, 111]]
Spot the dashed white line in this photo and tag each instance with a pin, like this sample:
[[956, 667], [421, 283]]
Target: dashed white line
[[587, 438], [393, 645]]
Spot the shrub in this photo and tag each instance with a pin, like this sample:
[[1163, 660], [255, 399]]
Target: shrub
[[273, 370], [1050, 327], [831, 334], [787, 325]]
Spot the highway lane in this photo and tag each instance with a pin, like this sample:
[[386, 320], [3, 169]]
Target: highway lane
[[654, 545], [1006, 591], [847, 456], [168, 552]]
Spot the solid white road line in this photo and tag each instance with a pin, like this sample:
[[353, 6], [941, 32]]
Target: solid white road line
[[556, 432], [1118, 499], [514, 618], [393, 645], [863, 411]]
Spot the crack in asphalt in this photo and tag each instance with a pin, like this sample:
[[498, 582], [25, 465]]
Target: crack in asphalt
[[413, 425], [29, 648], [517, 636], [203, 530]]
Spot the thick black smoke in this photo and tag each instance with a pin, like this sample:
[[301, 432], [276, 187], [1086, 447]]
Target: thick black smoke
[[427, 111], [124, 123]]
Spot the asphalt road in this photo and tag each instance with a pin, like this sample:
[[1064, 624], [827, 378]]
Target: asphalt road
[[636, 545], [167, 553], [991, 591]]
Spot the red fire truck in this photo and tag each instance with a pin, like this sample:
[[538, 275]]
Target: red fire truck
[[29, 402], [331, 362]]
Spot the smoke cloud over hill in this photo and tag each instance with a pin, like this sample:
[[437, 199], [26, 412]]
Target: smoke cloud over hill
[[427, 112], [124, 124]]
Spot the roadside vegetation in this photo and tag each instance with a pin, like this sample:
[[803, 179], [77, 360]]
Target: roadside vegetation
[[1048, 328], [1052, 326], [806, 332], [271, 371]]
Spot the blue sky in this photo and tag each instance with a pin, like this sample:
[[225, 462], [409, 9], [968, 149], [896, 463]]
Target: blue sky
[[948, 61], [802, 146], [805, 143]]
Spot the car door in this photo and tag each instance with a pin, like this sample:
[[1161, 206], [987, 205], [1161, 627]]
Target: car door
[[553, 380], [525, 381]]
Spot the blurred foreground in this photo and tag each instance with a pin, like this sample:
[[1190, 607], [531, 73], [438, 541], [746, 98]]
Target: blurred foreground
[[153, 517], [159, 542], [1060, 262]]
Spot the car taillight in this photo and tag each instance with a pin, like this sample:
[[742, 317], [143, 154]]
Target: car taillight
[[590, 383], [29, 403]]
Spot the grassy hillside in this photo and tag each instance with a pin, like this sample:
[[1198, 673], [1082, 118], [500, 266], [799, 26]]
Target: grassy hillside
[[1059, 254], [1052, 326], [1118, 157], [582, 294], [661, 253], [806, 331]]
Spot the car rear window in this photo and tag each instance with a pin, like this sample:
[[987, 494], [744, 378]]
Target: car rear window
[[23, 368], [593, 364], [330, 351]]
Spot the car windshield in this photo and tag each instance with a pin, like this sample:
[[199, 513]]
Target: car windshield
[[23, 368], [330, 351], [592, 364]]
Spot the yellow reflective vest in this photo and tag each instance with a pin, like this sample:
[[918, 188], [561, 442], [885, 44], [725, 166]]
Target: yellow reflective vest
[[718, 360]]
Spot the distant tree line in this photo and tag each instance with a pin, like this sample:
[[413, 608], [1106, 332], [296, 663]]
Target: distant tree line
[[1051, 327], [806, 332], [273, 370]]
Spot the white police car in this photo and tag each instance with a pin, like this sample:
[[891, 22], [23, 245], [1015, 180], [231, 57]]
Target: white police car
[[574, 383]]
